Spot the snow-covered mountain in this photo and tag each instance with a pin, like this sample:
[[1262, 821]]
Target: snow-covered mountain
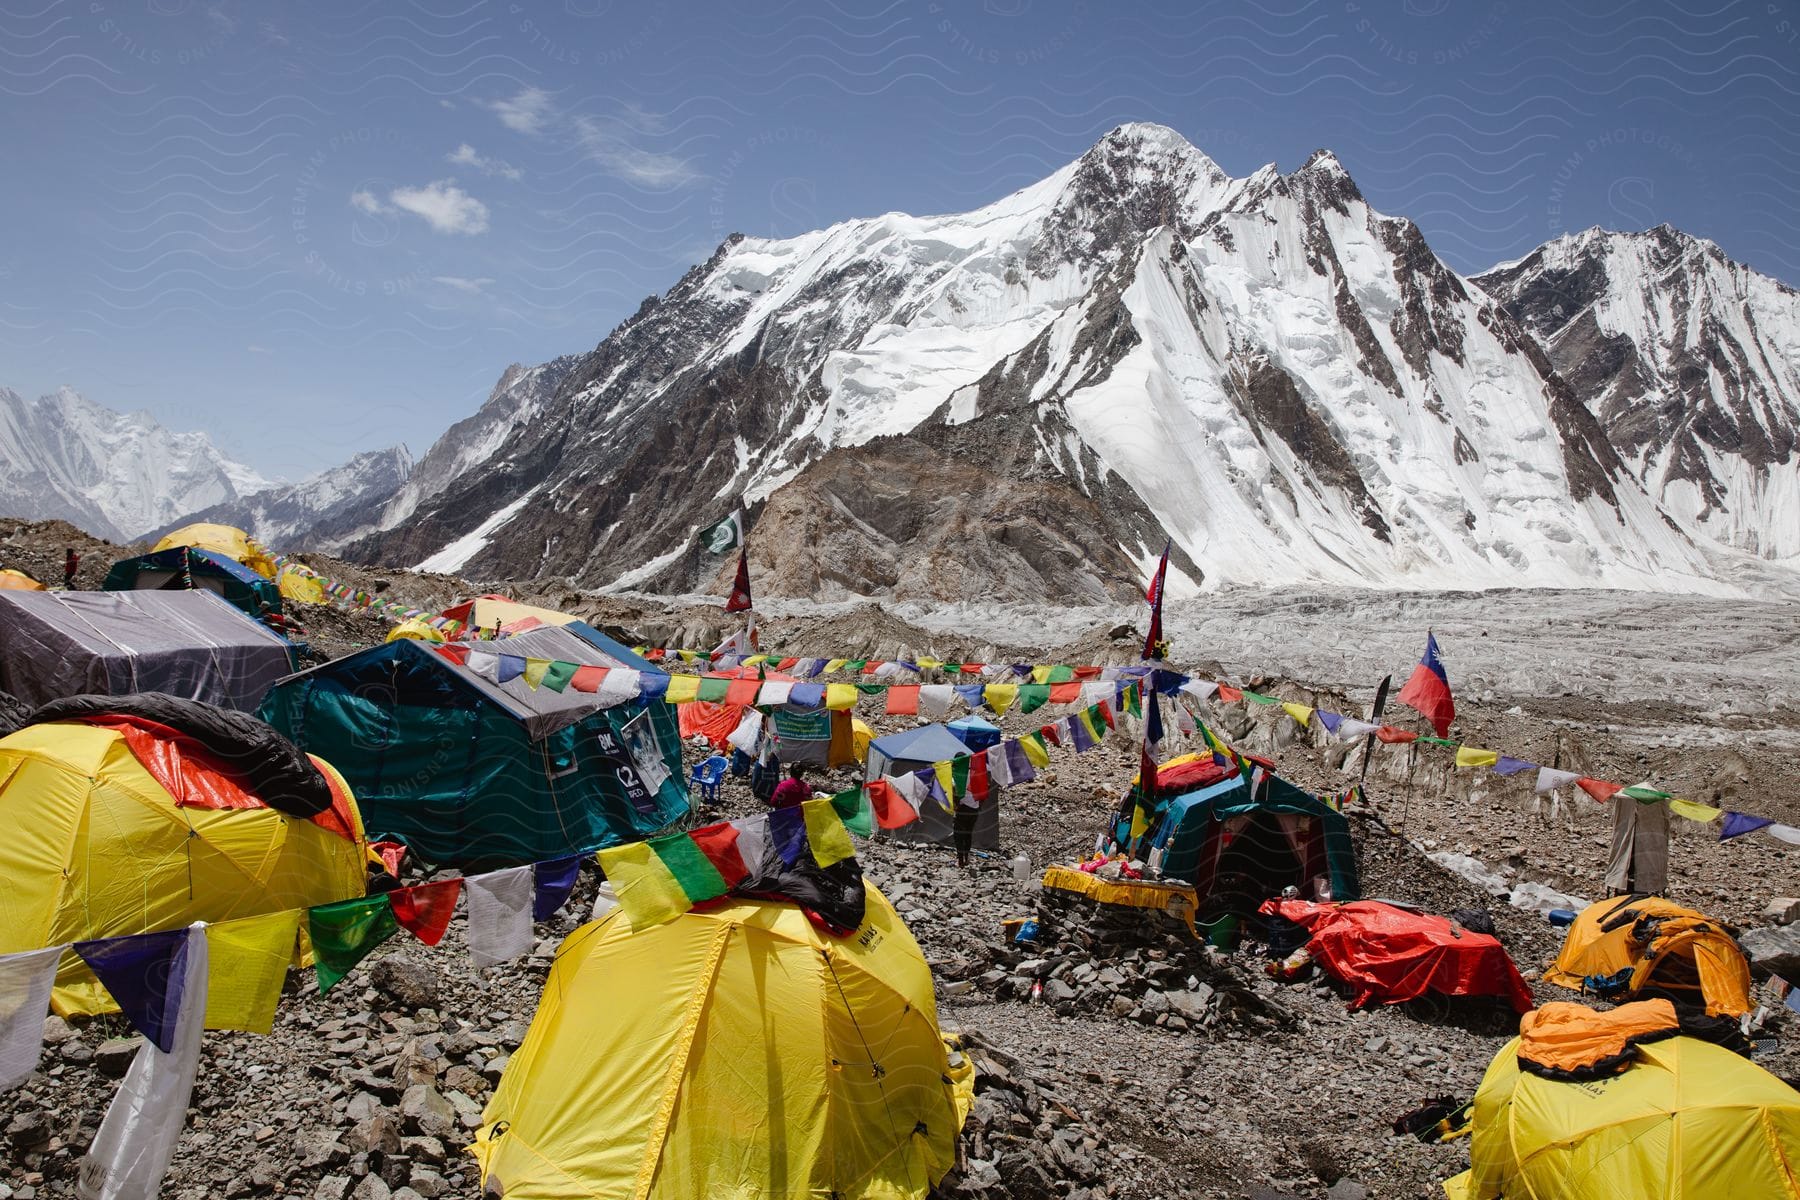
[[1692, 364], [320, 512], [1024, 400], [117, 475]]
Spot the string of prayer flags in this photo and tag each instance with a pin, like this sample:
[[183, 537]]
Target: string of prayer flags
[[344, 933]]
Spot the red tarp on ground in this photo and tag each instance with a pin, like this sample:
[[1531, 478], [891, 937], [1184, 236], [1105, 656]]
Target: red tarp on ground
[[715, 721], [1388, 954]]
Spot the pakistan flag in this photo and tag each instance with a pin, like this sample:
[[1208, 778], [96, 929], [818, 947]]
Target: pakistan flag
[[724, 537]]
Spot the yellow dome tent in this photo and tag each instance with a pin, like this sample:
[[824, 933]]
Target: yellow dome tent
[[415, 628], [228, 540], [732, 1053], [300, 585], [97, 847], [1681, 1118], [19, 581], [1663, 946]]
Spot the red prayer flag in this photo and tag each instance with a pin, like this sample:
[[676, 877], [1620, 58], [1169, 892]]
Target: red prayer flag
[[903, 701], [1065, 693], [1599, 789], [1154, 635], [1050, 734], [719, 844], [891, 809], [742, 692], [740, 588], [1106, 714], [1088, 672], [786, 664], [1390, 734], [390, 854], [1229, 694], [424, 910], [457, 654], [979, 784], [587, 679]]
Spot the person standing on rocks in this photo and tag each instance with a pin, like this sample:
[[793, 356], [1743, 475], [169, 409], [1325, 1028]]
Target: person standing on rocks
[[962, 832], [71, 562]]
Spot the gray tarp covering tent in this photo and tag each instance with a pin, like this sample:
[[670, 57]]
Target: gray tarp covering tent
[[190, 644], [914, 750]]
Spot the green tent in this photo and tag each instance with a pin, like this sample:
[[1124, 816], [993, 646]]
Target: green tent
[[181, 567], [1257, 836], [475, 773]]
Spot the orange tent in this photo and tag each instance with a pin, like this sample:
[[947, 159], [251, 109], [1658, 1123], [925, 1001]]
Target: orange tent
[[18, 581]]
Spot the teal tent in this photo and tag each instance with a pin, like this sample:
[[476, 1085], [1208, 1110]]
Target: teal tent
[[475, 773], [182, 567], [1257, 836]]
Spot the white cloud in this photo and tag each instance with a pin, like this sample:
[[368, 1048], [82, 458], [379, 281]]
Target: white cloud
[[368, 202], [526, 112], [472, 286], [465, 156], [444, 206], [612, 142]]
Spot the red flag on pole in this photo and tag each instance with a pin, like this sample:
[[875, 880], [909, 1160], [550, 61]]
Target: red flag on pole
[[1428, 691], [1155, 596], [740, 590]]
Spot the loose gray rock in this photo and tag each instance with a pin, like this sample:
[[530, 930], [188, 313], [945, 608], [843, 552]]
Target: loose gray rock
[[115, 1054]]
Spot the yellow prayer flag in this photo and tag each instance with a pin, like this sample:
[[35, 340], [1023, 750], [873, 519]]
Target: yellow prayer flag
[[646, 888], [826, 833], [688, 655], [1000, 696], [1035, 752], [836, 664], [1472, 756], [928, 664], [1692, 811], [535, 670], [1300, 712], [946, 780], [1040, 673], [682, 689], [250, 960], [840, 696]]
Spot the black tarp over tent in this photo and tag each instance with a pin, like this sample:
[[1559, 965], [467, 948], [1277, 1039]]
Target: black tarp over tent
[[914, 750]]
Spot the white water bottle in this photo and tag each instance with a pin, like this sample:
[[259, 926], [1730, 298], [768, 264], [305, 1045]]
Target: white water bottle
[[1021, 867]]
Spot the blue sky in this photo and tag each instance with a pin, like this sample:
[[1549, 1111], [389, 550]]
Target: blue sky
[[312, 229]]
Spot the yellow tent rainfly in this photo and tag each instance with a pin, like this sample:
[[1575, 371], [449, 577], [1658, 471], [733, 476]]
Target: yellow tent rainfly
[[1598, 1106], [99, 845], [752, 1056], [228, 540], [1618, 948]]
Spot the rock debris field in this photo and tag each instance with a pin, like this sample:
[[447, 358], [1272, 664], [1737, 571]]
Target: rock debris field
[[1148, 1065]]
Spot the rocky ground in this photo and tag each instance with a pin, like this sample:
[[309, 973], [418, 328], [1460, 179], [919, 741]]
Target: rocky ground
[[1150, 1066]]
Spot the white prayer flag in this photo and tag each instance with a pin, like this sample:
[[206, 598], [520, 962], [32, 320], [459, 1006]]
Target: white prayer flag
[[620, 686], [934, 701], [499, 915], [137, 1137], [1549, 779], [25, 982]]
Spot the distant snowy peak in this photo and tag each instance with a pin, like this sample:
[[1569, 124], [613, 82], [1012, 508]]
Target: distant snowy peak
[[1691, 362], [321, 511], [1026, 399], [118, 475]]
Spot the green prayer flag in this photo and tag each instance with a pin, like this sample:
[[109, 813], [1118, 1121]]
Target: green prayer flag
[[343, 934], [959, 774], [1033, 696], [1134, 700], [856, 664], [1426, 737], [714, 690], [692, 870], [1060, 674], [1643, 792], [872, 689], [558, 676], [1259, 698], [854, 809]]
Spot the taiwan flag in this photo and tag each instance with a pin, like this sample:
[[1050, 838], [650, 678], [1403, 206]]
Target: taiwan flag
[[1428, 691]]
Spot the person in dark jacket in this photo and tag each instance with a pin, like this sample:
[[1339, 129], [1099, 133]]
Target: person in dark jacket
[[71, 563]]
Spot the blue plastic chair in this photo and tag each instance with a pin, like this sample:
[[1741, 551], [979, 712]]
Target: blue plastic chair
[[706, 777]]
